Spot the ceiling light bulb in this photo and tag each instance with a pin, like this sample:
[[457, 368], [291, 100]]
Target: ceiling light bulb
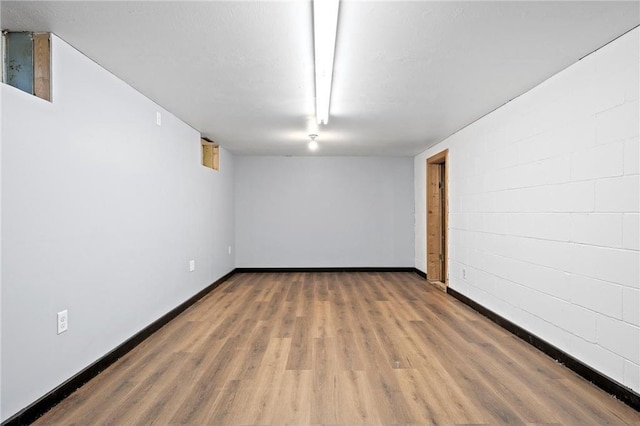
[[325, 27], [313, 145]]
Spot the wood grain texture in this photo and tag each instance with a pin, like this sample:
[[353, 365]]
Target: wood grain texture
[[42, 66], [335, 348], [437, 217]]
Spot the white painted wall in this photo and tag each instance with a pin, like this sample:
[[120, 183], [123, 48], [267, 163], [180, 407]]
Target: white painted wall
[[324, 212], [544, 202], [102, 211]]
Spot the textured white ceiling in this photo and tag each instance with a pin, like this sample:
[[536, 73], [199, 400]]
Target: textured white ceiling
[[407, 74]]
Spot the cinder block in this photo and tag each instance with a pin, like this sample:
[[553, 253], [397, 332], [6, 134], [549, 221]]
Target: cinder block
[[455, 204], [508, 269], [471, 239], [619, 337], [618, 194], [525, 125], [598, 162], [535, 303], [556, 170], [455, 269], [621, 122], [632, 156], [630, 76], [539, 199], [577, 197], [570, 197], [507, 201], [485, 242], [518, 223], [547, 226], [503, 290], [581, 260], [546, 280], [496, 265], [548, 171], [601, 359], [616, 265], [475, 221], [485, 202], [632, 375], [496, 223], [536, 148], [579, 321], [457, 220], [507, 156], [631, 231], [602, 229], [631, 306], [475, 259], [599, 296], [608, 92], [486, 282], [500, 179], [553, 254], [452, 252], [575, 136], [550, 226], [556, 113]]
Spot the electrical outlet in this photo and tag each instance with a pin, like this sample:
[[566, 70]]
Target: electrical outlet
[[63, 321], [229, 249], [464, 273], [192, 265], [158, 119]]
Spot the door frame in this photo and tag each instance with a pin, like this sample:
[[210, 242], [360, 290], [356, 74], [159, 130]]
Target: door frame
[[435, 161]]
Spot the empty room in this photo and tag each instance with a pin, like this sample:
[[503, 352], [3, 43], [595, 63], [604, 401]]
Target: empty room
[[320, 212]]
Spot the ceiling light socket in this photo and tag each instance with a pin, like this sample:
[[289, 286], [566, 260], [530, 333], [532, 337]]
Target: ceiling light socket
[[312, 145]]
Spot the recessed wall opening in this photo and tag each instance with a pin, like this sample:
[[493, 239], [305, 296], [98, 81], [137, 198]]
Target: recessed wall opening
[[26, 62], [437, 218], [210, 154]]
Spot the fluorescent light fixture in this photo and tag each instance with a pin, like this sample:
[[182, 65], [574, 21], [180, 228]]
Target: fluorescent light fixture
[[325, 27]]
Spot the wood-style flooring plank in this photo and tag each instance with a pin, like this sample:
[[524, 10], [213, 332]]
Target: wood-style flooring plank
[[335, 349]]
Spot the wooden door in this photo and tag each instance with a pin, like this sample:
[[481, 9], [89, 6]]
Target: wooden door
[[437, 218]]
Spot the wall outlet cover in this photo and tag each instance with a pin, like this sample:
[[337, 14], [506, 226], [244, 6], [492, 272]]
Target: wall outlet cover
[[63, 321], [192, 265]]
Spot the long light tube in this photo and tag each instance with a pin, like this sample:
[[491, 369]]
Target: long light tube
[[325, 28]]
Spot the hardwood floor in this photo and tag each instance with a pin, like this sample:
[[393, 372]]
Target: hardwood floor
[[335, 348]]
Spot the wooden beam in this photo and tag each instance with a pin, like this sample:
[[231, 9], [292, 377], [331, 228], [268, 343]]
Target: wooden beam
[[42, 66]]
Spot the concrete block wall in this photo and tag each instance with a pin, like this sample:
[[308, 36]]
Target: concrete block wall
[[544, 210]]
